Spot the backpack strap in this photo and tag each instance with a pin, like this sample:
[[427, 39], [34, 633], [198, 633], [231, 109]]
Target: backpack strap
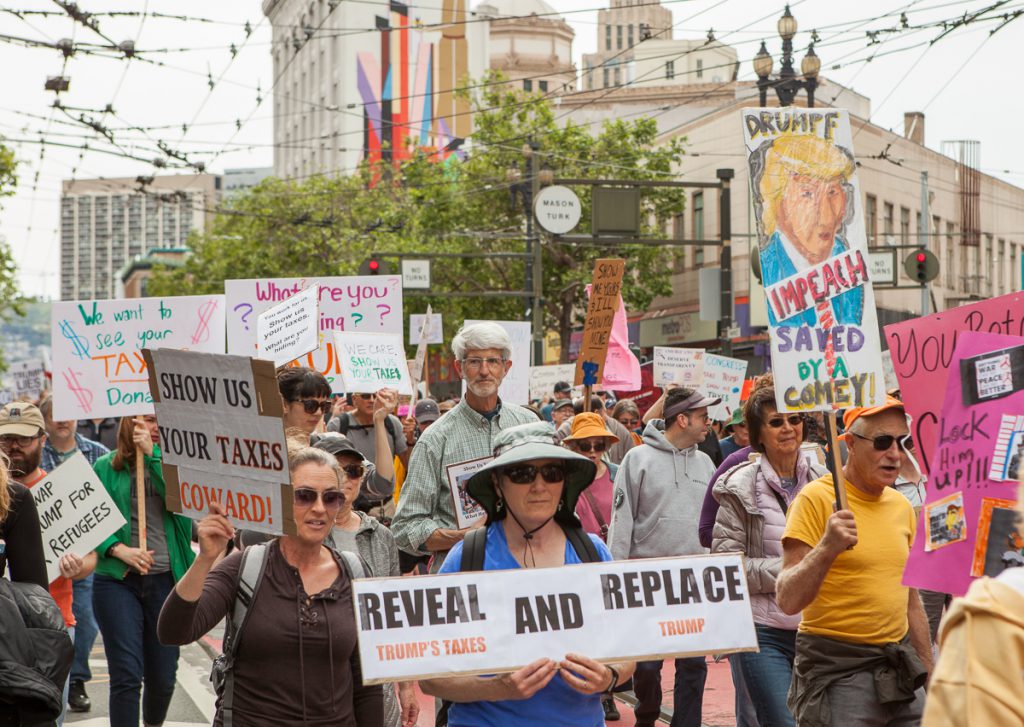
[[474, 549], [354, 565], [581, 543], [251, 572]]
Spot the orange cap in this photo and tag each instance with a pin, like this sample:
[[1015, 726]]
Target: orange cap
[[854, 413], [589, 424]]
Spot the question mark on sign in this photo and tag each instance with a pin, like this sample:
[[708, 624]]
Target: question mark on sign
[[358, 317], [394, 284], [384, 309], [246, 314]]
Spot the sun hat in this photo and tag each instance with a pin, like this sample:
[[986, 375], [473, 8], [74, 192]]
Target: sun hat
[[22, 419], [588, 424], [737, 418], [524, 443]]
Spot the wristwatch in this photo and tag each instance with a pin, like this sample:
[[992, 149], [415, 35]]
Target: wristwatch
[[109, 552], [615, 679]]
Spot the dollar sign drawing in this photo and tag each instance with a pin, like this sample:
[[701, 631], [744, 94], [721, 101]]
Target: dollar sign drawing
[[83, 395], [79, 342], [203, 329]]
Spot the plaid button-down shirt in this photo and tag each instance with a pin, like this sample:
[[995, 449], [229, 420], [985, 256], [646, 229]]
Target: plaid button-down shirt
[[52, 459]]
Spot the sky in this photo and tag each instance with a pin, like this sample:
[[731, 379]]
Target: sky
[[961, 81]]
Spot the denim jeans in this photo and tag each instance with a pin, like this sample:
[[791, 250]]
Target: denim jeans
[[688, 694], [85, 630], [746, 716], [127, 612], [768, 674]]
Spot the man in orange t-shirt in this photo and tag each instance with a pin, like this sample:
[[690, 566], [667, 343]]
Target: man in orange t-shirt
[[22, 436]]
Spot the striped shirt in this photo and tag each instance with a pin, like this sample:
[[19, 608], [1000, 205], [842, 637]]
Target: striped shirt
[[461, 435]]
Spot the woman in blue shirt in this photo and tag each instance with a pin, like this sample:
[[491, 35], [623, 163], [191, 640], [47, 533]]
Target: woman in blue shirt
[[529, 491]]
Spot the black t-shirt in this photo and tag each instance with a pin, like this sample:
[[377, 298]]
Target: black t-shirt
[[21, 541]]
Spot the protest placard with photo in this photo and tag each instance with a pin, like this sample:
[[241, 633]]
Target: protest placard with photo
[[1008, 454], [944, 521], [468, 511], [372, 361], [823, 327], [98, 369], [491, 622], [1000, 542], [76, 513], [678, 366], [222, 437], [289, 329]]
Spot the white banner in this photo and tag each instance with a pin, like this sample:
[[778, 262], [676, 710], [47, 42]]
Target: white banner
[[27, 379], [76, 513], [516, 386], [435, 329], [98, 368], [372, 361], [498, 621], [678, 366], [368, 303], [723, 379], [544, 378], [290, 329]]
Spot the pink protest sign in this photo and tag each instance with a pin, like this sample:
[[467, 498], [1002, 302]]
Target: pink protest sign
[[955, 532], [922, 349]]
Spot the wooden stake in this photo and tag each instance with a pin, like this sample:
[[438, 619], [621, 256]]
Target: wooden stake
[[838, 484], [586, 396], [140, 493]]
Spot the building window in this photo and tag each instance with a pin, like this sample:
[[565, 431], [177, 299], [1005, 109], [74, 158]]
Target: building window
[[618, 76], [606, 82], [1015, 273], [618, 36], [629, 35], [679, 233], [543, 86], [698, 228], [670, 69], [527, 84], [888, 220], [700, 68], [607, 39], [1001, 267], [904, 225], [950, 265], [871, 215], [985, 267]]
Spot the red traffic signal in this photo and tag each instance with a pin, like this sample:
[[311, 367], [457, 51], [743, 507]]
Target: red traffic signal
[[921, 258], [374, 266], [921, 266]]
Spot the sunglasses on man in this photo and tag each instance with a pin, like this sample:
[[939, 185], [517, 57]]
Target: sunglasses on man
[[884, 441]]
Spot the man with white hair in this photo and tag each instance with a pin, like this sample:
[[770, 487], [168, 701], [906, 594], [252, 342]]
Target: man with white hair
[[425, 521]]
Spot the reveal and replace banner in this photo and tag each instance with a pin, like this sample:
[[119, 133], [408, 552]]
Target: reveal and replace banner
[[98, 368], [76, 512], [222, 437], [922, 349], [367, 303], [968, 524], [290, 329], [498, 621], [823, 327]]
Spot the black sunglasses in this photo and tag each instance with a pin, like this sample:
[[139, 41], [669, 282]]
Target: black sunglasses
[[353, 471], [525, 474], [794, 420], [306, 496], [314, 405], [884, 441], [366, 397], [587, 446]]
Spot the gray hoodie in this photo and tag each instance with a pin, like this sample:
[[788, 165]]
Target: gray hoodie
[[659, 491]]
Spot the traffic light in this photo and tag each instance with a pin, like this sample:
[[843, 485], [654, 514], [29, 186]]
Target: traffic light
[[374, 266], [921, 266]]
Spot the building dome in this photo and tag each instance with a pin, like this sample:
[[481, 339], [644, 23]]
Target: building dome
[[519, 8]]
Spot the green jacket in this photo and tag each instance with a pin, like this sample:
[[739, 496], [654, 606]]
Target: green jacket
[[177, 529]]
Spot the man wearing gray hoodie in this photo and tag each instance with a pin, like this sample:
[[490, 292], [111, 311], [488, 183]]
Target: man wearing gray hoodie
[[659, 490]]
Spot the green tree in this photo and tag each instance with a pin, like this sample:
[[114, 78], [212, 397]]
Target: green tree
[[12, 301], [328, 225]]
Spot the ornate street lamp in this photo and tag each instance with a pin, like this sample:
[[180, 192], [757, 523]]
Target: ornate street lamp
[[787, 84]]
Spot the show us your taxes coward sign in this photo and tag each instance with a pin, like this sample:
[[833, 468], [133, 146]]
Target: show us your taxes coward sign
[[825, 346]]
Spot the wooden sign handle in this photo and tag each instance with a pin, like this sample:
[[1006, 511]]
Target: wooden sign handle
[[140, 495], [838, 483], [587, 391]]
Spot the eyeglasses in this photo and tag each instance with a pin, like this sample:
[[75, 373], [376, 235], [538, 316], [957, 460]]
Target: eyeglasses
[[18, 439], [629, 423], [884, 441], [312, 406], [475, 363], [598, 446], [525, 474], [307, 496], [353, 471], [795, 420]]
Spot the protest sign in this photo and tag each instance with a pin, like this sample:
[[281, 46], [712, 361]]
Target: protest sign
[[422, 336], [435, 329], [98, 369], [678, 366], [372, 361], [544, 378], [605, 298], [222, 437], [76, 512], [621, 366], [369, 303], [515, 388], [825, 347], [498, 621], [27, 379], [289, 329], [922, 349], [468, 511], [957, 523], [723, 379], [889, 373]]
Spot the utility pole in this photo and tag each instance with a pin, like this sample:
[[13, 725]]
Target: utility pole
[[923, 230], [534, 276], [725, 235]]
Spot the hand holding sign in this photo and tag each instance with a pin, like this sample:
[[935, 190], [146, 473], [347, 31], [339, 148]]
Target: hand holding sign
[[215, 531]]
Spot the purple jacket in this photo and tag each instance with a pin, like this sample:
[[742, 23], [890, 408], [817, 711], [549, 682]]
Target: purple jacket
[[709, 509]]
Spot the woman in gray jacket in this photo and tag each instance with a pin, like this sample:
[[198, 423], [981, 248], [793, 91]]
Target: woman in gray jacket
[[754, 497]]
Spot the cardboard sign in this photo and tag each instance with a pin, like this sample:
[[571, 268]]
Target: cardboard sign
[[290, 329], [222, 437], [678, 366], [76, 512], [544, 378], [435, 329], [605, 292], [27, 379], [723, 379], [825, 348], [498, 621], [370, 303], [422, 335], [98, 368], [962, 465], [922, 350], [468, 511], [372, 361], [515, 387]]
